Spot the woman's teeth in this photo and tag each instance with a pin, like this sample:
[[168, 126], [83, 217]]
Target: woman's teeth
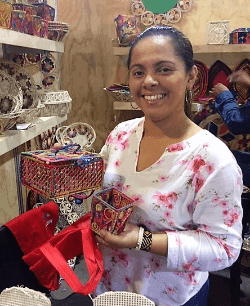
[[154, 98]]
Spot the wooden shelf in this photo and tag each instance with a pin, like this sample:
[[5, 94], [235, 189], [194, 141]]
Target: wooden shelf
[[119, 105], [200, 49], [13, 38], [11, 139]]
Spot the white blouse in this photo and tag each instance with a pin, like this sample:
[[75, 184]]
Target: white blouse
[[193, 193]]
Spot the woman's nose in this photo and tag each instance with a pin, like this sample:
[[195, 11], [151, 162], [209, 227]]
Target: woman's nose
[[150, 81]]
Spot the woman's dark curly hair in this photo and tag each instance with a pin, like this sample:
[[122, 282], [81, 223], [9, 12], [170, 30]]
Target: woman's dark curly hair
[[181, 43]]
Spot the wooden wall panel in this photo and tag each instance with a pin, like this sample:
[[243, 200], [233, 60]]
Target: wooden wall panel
[[88, 63], [9, 201]]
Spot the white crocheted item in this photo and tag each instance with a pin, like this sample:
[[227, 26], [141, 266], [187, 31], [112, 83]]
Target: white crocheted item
[[120, 298], [20, 296]]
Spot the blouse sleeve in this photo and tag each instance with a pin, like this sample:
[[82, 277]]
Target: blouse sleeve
[[217, 214], [236, 118]]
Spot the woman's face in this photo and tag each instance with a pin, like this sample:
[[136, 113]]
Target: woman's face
[[158, 79]]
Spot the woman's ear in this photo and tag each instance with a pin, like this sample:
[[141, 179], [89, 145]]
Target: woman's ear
[[192, 75]]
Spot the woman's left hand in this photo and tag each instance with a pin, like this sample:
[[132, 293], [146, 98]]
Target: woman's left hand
[[127, 239]]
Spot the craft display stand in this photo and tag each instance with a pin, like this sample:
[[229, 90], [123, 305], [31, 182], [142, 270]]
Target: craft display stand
[[12, 140]]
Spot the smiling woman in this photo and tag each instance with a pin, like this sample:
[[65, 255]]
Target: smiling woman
[[185, 184]]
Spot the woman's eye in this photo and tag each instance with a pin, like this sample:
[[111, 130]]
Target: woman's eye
[[164, 69], [137, 73]]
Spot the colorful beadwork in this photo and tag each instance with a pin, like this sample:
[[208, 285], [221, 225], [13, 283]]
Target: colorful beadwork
[[57, 173], [110, 210]]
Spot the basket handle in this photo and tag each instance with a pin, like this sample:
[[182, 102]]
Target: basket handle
[[83, 196], [67, 147]]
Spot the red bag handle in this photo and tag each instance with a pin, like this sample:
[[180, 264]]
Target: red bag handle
[[93, 261]]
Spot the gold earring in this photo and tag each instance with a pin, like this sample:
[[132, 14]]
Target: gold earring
[[189, 96], [133, 106]]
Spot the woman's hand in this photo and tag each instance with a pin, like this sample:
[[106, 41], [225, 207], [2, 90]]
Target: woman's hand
[[217, 89], [240, 77], [127, 239]]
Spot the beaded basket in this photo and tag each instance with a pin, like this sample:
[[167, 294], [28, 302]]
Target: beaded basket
[[120, 93], [54, 173], [110, 210]]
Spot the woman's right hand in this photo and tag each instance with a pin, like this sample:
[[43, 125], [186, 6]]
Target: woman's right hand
[[217, 89], [240, 77]]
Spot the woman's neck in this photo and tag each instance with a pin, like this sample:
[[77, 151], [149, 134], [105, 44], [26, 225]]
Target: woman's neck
[[174, 129]]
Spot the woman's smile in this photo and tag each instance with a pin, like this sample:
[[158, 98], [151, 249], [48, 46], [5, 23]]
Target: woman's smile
[[153, 99]]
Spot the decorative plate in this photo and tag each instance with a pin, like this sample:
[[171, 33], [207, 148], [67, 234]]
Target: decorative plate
[[138, 8], [24, 80], [161, 19], [33, 58], [59, 133], [184, 5], [218, 73], [242, 90], [79, 133], [35, 71], [11, 98], [48, 80], [147, 18], [48, 63], [200, 85], [19, 59], [174, 15]]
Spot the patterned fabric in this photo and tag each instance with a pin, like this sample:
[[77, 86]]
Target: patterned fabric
[[193, 193]]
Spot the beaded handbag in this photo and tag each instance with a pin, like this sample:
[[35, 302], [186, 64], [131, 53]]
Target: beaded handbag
[[68, 171]]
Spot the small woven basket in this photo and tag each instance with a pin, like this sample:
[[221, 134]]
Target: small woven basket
[[56, 108], [9, 120], [19, 296], [121, 95], [120, 298], [54, 96]]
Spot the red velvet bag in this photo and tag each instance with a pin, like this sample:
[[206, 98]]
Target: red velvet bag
[[47, 254]]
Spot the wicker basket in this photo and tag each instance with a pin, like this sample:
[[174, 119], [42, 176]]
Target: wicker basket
[[19, 296], [9, 120], [54, 96], [56, 108], [120, 298], [121, 95], [30, 114]]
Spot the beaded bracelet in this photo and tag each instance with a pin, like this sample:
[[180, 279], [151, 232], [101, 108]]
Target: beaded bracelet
[[140, 238], [146, 241]]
